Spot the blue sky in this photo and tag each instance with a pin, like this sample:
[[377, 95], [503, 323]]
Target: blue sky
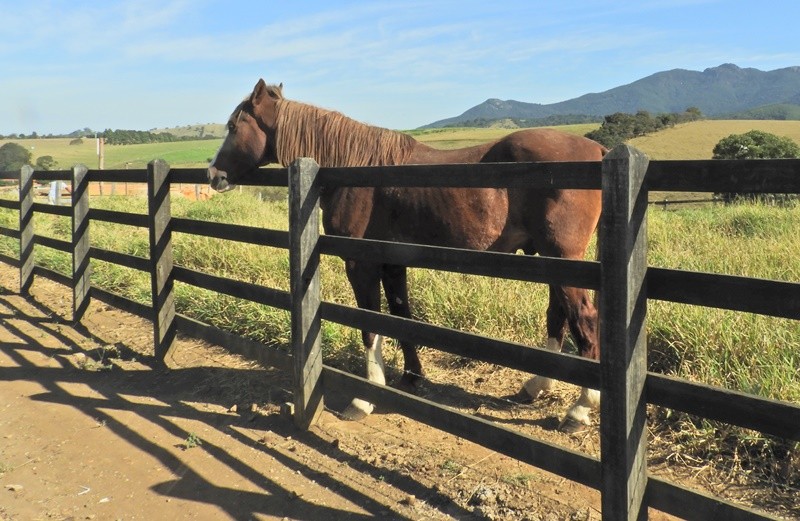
[[66, 65]]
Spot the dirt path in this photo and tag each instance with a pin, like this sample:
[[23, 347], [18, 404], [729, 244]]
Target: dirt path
[[88, 430]]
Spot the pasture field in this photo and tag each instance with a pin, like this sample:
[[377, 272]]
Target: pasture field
[[183, 154], [694, 140]]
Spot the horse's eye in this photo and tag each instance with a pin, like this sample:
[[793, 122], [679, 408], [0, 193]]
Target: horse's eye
[[231, 126]]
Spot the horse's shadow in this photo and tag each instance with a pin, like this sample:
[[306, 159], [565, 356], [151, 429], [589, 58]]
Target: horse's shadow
[[489, 407]]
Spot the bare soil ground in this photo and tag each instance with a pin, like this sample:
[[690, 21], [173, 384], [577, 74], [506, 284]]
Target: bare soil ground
[[90, 430]]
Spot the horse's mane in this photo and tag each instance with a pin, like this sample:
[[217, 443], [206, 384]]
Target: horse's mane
[[332, 139]]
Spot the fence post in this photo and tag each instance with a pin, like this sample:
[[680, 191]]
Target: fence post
[[305, 290], [81, 269], [623, 341], [161, 279], [25, 229]]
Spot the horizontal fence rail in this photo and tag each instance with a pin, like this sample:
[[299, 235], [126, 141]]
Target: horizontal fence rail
[[767, 297]]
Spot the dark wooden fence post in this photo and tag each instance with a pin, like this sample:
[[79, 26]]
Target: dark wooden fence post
[[162, 281], [81, 270], [305, 290], [25, 229], [623, 341]]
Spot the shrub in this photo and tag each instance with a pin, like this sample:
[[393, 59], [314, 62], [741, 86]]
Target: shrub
[[756, 144]]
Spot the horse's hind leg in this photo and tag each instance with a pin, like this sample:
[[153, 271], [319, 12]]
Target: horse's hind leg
[[556, 329], [395, 284], [583, 324], [365, 280]]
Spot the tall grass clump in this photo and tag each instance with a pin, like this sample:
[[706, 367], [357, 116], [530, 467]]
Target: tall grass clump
[[741, 351]]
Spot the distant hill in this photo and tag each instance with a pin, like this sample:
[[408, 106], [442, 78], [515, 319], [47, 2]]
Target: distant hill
[[717, 91], [775, 111], [205, 131]]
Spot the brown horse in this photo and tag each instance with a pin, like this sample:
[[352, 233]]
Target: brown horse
[[267, 128]]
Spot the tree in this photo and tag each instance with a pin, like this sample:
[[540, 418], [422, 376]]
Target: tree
[[13, 157], [46, 163], [755, 145]]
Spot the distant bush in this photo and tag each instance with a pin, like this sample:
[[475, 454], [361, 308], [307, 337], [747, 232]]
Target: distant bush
[[13, 157], [76, 141], [756, 144], [46, 163], [620, 127]]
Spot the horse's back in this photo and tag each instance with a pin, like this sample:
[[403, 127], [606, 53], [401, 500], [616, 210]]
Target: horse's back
[[544, 144]]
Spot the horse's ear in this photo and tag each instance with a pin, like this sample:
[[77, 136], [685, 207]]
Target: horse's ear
[[262, 89], [258, 92]]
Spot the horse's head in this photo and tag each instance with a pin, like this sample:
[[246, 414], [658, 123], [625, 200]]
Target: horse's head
[[250, 141]]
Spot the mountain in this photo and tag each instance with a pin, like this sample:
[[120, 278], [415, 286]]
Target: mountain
[[715, 91]]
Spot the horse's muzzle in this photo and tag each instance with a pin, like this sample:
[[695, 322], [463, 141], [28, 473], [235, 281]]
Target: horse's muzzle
[[218, 179]]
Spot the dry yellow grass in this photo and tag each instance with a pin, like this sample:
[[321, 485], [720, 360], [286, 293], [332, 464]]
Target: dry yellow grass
[[696, 140]]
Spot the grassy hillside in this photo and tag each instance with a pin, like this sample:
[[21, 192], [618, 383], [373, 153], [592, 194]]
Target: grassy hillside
[[696, 140]]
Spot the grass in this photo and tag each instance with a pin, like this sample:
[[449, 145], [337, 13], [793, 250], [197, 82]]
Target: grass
[[712, 346], [182, 153], [696, 140]]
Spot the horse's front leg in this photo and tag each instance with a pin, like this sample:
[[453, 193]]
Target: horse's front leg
[[395, 285], [365, 280], [570, 306]]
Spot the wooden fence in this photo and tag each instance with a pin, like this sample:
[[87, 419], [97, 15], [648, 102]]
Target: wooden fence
[[622, 276]]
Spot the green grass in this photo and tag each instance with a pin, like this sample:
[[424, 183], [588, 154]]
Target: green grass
[[183, 154], [737, 350]]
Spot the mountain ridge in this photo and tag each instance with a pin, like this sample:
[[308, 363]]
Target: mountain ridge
[[717, 91]]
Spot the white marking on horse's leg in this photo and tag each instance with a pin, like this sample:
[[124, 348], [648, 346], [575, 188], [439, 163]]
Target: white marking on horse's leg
[[376, 371], [540, 384], [358, 408], [580, 412]]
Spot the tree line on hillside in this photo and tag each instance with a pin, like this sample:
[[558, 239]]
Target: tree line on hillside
[[118, 137], [142, 137], [620, 127]]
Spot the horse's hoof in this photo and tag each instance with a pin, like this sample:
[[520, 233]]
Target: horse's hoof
[[572, 426], [357, 410], [409, 383], [522, 396]]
